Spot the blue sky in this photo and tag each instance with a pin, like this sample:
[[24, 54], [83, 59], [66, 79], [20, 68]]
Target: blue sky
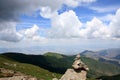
[[68, 26], [84, 13]]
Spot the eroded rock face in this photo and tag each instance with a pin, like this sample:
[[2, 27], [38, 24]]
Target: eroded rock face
[[78, 72]]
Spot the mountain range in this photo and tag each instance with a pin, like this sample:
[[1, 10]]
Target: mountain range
[[54, 63], [101, 63], [107, 55]]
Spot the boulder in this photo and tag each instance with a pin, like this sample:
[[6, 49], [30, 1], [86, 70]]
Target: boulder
[[71, 74]]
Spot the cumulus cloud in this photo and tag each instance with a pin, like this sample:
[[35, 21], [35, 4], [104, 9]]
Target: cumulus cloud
[[95, 29], [49, 11], [65, 25], [10, 10], [106, 18], [33, 34], [46, 12], [31, 31], [68, 25], [115, 25], [8, 32]]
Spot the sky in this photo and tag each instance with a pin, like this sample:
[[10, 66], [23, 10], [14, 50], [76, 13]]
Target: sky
[[64, 26]]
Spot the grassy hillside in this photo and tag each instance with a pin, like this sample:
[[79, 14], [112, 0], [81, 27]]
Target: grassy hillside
[[38, 60], [59, 63], [97, 68], [27, 69], [56, 55]]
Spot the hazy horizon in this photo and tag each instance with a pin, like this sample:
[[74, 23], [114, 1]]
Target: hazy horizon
[[42, 50]]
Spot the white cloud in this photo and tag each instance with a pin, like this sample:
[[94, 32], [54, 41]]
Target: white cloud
[[106, 18], [75, 3], [105, 9], [11, 9], [115, 25], [47, 11], [40, 39], [95, 29], [32, 31], [33, 34], [65, 25], [8, 32]]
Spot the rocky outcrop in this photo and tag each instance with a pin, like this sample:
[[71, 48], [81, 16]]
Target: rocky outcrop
[[78, 72], [7, 74], [71, 74], [18, 78]]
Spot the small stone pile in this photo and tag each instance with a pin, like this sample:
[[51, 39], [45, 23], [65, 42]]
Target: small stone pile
[[78, 72]]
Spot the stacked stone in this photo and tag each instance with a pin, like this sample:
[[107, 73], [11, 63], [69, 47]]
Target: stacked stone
[[78, 72]]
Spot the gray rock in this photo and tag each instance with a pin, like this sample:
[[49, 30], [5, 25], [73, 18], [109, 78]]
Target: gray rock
[[71, 74], [78, 64], [78, 72], [2, 70], [18, 78]]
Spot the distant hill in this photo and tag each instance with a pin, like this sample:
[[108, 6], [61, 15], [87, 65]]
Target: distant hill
[[51, 54], [59, 63], [108, 55]]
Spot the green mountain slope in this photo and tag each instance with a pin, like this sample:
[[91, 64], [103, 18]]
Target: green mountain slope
[[56, 55], [59, 63], [97, 68], [27, 69]]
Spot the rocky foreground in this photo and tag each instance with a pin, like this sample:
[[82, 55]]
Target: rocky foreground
[[7, 74], [78, 72]]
